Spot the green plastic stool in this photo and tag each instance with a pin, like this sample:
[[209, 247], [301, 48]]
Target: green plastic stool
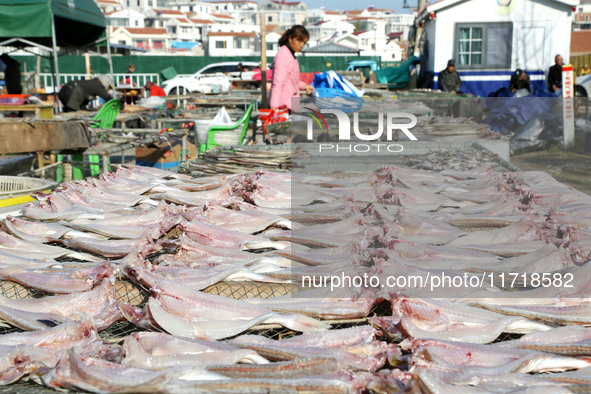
[[213, 130], [104, 119]]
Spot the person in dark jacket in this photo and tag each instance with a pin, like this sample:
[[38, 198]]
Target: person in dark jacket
[[12, 74], [449, 79], [555, 76], [519, 80], [75, 95]]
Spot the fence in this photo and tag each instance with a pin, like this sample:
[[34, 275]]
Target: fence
[[46, 79]]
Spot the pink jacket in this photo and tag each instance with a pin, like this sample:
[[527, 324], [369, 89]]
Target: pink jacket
[[285, 82]]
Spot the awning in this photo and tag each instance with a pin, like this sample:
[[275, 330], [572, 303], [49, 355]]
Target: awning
[[77, 22]]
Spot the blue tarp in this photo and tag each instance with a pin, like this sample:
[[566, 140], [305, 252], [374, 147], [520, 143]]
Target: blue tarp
[[507, 113], [183, 44]]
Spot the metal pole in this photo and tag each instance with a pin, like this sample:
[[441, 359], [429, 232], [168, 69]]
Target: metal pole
[[417, 51], [109, 59], [56, 75], [264, 102], [184, 147], [105, 162]]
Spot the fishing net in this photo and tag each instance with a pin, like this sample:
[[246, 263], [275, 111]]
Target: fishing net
[[16, 291], [241, 290]]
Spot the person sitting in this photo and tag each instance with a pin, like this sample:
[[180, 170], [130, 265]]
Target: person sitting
[[12, 75], [519, 80], [555, 76], [75, 95], [449, 80], [154, 89]]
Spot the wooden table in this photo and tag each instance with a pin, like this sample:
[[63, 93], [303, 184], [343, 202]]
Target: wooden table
[[42, 111]]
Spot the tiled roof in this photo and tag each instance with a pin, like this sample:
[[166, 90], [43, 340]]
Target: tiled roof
[[169, 12], [356, 33], [230, 34], [222, 16], [144, 30], [183, 20], [201, 21]]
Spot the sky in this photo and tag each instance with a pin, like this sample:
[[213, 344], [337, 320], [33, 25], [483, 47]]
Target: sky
[[336, 5]]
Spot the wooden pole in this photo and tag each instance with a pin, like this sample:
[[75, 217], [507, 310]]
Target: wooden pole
[[264, 102]]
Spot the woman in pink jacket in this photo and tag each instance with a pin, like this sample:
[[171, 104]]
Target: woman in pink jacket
[[285, 82]]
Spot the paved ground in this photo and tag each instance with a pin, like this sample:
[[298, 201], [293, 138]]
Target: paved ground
[[573, 169]]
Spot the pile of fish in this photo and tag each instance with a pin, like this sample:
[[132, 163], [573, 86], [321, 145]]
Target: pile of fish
[[217, 161], [75, 243]]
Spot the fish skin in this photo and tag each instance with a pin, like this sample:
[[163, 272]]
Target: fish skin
[[442, 320], [57, 283], [211, 235], [34, 231], [100, 303], [113, 248], [280, 370], [26, 353], [205, 316], [30, 321], [33, 250], [77, 371], [159, 351]]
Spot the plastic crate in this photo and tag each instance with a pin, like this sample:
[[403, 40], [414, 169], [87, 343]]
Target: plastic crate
[[169, 73], [15, 189]]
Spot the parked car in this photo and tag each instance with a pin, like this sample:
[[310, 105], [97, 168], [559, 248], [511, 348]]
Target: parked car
[[365, 66], [213, 78], [583, 86]]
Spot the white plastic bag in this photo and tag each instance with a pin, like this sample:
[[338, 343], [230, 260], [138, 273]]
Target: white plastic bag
[[222, 117]]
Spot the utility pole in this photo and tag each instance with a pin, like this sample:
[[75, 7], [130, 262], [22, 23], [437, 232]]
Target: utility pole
[[264, 103], [419, 31]]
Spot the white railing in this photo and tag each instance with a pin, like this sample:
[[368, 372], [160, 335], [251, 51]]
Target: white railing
[[139, 80]]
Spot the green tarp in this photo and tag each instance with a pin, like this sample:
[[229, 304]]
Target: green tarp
[[396, 77], [77, 22]]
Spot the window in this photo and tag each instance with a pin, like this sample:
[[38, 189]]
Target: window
[[215, 69], [158, 44], [484, 45], [137, 23], [271, 46], [220, 44], [269, 18], [241, 42], [128, 3], [138, 3]]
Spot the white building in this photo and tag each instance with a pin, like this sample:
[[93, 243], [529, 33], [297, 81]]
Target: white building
[[108, 5], [399, 23], [182, 29], [153, 40], [159, 17], [329, 30], [190, 6], [125, 18], [243, 11], [490, 39], [231, 44], [371, 43], [282, 13]]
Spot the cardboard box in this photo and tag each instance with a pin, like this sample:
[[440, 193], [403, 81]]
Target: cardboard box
[[163, 155]]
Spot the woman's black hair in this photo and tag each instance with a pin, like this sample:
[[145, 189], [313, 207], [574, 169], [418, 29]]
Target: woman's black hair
[[297, 31]]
